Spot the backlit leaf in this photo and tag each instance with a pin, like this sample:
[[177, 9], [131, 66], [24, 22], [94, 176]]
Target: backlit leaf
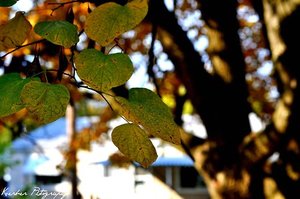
[[58, 32], [5, 140], [46, 102], [133, 142], [11, 86], [110, 20], [7, 3], [14, 32], [145, 108], [103, 72]]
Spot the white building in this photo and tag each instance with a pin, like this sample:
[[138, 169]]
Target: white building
[[39, 154]]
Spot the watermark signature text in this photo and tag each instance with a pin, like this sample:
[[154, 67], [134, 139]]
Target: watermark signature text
[[36, 191]]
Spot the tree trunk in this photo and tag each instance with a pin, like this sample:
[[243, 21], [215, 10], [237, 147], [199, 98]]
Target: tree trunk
[[281, 19], [71, 132], [232, 160]]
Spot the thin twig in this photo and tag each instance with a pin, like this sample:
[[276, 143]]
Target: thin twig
[[64, 73], [89, 88], [73, 49], [102, 95], [116, 40], [72, 60], [80, 33], [152, 58], [19, 47], [61, 5]]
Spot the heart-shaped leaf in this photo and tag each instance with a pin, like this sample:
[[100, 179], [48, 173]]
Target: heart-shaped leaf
[[14, 32], [11, 86], [103, 72], [145, 108], [58, 32], [7, 3], [46, 102], [109, 20], [133, 142]]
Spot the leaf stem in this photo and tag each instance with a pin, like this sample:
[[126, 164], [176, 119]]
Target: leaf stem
[[106, 101], [45, 74], [116, 40], [102, 94]]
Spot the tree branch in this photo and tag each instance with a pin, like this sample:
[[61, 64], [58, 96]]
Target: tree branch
[[19, 47]]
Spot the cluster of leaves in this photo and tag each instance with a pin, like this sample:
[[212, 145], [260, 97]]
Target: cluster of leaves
[[144, 111], [46, 102]]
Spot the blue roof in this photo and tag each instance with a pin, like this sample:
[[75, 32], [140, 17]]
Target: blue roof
[[50, 131], [181, 161]]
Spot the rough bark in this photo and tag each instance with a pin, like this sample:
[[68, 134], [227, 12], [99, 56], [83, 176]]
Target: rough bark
[[212, 95], [219, 98], [233, 161], [281, 18]]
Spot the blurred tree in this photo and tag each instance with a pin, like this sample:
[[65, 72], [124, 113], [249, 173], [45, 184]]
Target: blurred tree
[[249, 66], [235, 162]]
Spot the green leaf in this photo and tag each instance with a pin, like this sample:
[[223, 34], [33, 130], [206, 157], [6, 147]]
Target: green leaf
[[58, 32], [7, 3], [5, 140], [103, 72], [133, 142], [109, 20], [46, 102], [11, 86], [145, 108], [14, 32]]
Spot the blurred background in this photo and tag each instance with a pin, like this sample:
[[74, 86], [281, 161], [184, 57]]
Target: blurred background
[[228, 71]]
